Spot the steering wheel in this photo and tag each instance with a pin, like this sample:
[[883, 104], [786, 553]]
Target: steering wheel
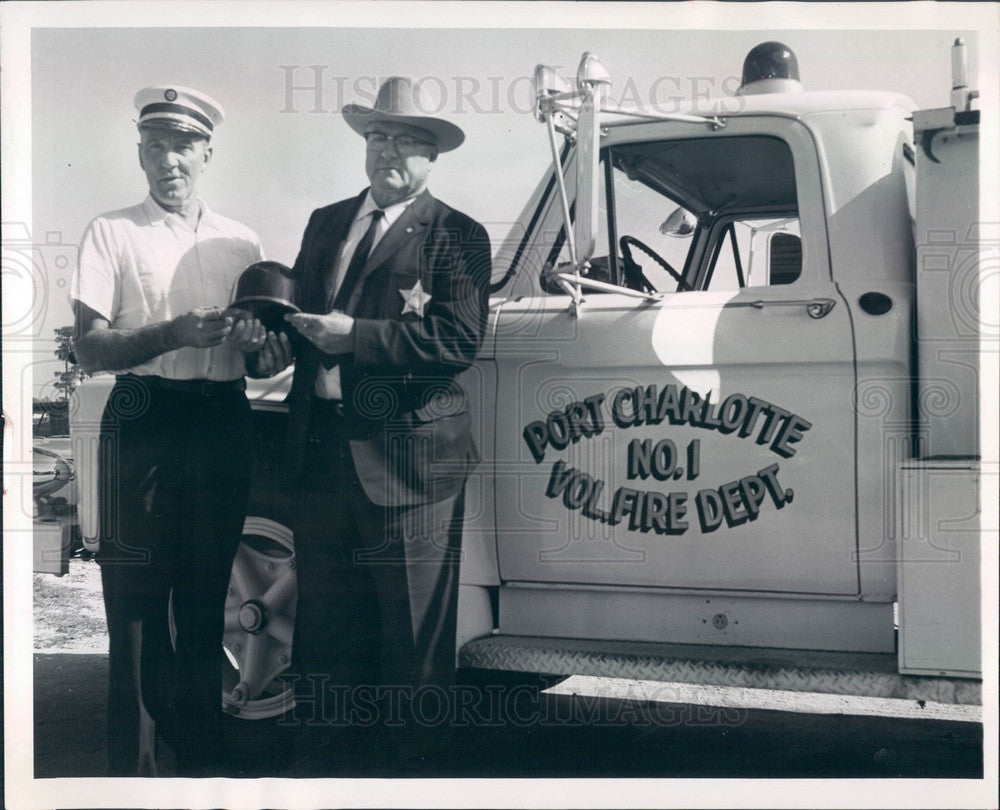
[[631, 267]]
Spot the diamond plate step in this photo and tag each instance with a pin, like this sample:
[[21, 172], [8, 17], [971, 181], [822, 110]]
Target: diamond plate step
[[835, 673]]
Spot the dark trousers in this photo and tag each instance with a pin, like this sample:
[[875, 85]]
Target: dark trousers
[[378, 593], [174, 487]]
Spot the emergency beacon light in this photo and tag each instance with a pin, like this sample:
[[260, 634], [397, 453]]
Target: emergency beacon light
[[770, 67]]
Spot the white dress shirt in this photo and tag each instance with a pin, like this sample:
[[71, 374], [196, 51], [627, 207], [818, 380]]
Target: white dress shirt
[[144, 265], [328, 380]]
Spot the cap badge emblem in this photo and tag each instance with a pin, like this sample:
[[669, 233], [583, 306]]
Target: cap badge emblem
[[170, 95]]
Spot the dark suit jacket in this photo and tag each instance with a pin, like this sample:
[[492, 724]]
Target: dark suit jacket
[[407, 416]]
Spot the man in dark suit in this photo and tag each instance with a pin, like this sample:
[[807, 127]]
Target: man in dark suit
[[393, 287]]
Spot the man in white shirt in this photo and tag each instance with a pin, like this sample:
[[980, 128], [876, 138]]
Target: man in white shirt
[[150, 297]]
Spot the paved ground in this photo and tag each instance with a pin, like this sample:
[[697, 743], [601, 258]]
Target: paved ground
[[563, 737], [543, 735]]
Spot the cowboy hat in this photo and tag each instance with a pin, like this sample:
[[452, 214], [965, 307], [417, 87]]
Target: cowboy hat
[[402, 101]]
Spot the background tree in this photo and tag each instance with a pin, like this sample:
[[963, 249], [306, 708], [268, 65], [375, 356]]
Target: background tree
[[72, 375]]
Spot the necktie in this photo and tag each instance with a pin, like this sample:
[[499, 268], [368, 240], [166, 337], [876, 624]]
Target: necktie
[[352, 275], [357, 262]]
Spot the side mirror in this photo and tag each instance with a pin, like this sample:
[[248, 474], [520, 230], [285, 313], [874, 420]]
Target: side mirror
[[785, 264], [679, 223]]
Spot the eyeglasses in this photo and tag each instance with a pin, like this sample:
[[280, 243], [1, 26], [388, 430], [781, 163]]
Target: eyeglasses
[[402, 143]]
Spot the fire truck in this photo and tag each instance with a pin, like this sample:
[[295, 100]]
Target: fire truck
[[727, 404]]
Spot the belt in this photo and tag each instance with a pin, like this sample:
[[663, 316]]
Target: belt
[[202, 388]]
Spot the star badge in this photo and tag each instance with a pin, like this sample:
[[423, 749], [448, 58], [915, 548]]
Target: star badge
[[415, 299]]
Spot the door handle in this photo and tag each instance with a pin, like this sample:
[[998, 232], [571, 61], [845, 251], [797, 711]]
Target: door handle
[[815, 307]]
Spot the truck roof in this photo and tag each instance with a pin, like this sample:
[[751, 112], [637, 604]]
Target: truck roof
[[793, 104]]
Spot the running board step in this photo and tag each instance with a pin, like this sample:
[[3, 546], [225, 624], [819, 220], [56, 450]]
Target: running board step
[[834, 673]]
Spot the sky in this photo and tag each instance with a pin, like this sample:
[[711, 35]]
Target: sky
[[284, 148]]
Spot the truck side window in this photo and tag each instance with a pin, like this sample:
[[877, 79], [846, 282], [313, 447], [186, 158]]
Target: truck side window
[[643, 213], [718, 213], [646, 211]]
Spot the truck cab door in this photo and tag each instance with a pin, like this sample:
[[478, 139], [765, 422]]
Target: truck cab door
[[703, 439]]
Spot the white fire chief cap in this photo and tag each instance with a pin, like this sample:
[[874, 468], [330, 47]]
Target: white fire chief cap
[[175, 107]]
